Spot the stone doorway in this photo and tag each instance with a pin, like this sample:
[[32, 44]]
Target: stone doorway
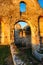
[[22, 34]]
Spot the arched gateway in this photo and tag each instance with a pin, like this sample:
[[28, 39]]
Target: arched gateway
[[10, 14]]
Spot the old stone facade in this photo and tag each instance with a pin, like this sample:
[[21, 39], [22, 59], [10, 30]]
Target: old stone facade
[[10, 15]]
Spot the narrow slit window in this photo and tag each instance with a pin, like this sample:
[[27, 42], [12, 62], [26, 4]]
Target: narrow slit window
[[22, 7]]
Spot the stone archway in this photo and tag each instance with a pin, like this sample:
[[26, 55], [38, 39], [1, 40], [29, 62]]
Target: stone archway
[[34, 34], [10, 12], [34, 29], [13, 25], [24, 38]]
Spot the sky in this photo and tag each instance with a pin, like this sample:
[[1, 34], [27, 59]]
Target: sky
[[41, 3], [23, 9], [23, 24]]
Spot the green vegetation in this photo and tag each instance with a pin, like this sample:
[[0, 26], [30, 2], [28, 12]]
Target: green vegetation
[[24, 54], [4, 52]]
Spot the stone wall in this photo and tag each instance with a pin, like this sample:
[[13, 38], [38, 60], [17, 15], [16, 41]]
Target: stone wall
[[10, 15]]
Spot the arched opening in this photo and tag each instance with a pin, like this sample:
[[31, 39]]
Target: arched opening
[[22, 34], [22, 6], [40, 3], [22, 39]]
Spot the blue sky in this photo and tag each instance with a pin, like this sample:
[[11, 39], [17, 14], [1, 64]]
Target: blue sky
[[23, 24], [41, 3], [23, 9]]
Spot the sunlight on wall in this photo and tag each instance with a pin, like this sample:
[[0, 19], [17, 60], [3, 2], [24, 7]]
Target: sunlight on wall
[[41, 26]]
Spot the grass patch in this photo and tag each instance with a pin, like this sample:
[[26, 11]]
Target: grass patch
[[4, 52]]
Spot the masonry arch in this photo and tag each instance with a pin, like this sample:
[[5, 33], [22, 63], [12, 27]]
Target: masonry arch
[[34, 30], [13, 15], [25, 34], [20, 21], [28, 21]]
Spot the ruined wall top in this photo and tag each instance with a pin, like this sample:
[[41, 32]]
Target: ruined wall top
[[12, 7]]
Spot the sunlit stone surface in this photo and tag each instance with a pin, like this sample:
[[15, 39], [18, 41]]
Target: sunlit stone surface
[[10, 15]]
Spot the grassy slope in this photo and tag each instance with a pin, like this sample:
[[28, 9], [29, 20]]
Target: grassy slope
[[4, 52]]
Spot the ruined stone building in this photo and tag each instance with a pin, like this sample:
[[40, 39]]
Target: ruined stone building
[[10, 14]]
